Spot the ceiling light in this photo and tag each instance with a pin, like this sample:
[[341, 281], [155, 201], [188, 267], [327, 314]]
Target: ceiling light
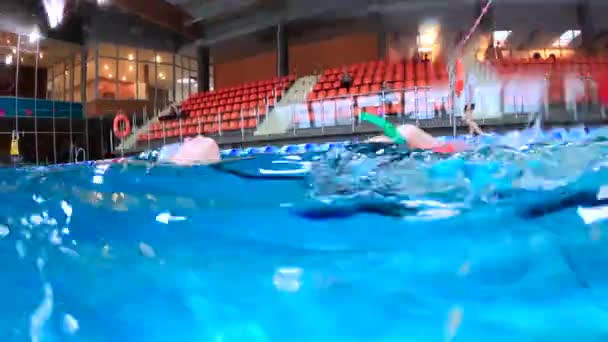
[[130, 56], [34, 35], [54, 11], [41, 55], [157, 59], [105, 66], [500, 37], [186, 80], [130, 68], [427, 39], [566, 38], [8, 59], [14, 50]]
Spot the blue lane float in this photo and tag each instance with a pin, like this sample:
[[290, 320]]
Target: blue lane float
[[522, 137]]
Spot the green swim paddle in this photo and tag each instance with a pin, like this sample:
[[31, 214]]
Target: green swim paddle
[[389, 129]]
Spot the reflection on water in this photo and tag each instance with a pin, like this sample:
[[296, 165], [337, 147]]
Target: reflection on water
[[375, 244]]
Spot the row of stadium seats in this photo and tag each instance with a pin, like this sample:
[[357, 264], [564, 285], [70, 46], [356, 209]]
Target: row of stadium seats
[[417, 89], [223, 110]]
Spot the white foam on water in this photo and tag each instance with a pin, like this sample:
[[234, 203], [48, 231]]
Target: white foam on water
[[42, 314], [4, 231]]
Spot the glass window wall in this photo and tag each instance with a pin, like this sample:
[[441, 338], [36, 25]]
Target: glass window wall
[[125, 73]]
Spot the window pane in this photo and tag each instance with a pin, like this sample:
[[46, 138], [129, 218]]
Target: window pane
[[68, 80], [211, 77], [58, 83], [107, 78], [77, 73], [145, 79], [193, 84], [165, 85], [145, 55], [164, 57], [90, 79], [126, 52], [126, 87], [107, 50]]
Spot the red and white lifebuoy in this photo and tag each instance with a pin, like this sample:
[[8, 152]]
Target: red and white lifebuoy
[[123, 130]]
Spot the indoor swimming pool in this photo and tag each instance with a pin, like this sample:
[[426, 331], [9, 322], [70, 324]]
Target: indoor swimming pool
[[341, 242]]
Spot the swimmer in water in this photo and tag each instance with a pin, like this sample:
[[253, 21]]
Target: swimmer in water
[[197, 150], [204, 150], [418, 139]]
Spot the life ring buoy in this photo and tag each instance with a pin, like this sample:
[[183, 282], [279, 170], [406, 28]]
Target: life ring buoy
[[125, 130], [459, 77]]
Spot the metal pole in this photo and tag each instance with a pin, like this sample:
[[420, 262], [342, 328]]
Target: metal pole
[[426, 103], [36, 101], [86, 134], [242, 125], [72, 82], [351, 108], [322, 116], [164, 133], [181, 136], [17, 84], [219, 123], [293, 119], [454, 126], [101, 147], [54, 135], [156, 111], [416, 106], [111, 142], [147, 120]]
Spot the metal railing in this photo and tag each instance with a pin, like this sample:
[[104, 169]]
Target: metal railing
[[515, 102]]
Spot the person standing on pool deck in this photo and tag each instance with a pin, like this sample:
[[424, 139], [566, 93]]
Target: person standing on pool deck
[[469, 97]]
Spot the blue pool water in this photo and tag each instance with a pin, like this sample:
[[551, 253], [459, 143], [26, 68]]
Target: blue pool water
[[366, 243]]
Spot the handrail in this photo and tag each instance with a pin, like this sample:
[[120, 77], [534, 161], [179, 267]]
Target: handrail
[[385, 91], [84, 154]]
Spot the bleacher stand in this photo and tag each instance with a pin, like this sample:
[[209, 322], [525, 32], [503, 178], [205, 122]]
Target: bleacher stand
[[412, 89], [378, 87], [236, 108]]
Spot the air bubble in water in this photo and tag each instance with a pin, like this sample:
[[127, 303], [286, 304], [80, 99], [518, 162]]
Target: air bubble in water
[[55, 238], [70, 324], [36, 220], [146, 250], [287, 279], [38, 199], [4, 231], [40, 264], [42, 314], [20, 249]]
